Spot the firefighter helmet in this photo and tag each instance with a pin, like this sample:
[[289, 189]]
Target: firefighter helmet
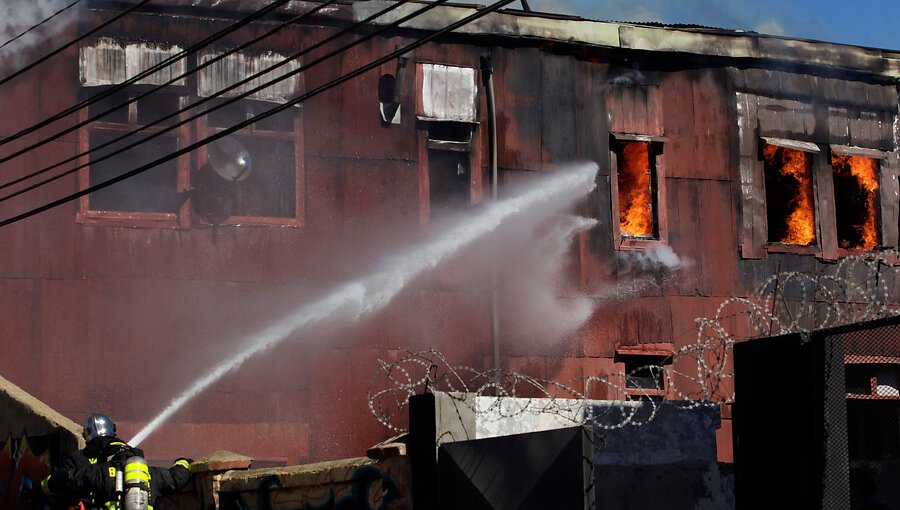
[[98, 425]]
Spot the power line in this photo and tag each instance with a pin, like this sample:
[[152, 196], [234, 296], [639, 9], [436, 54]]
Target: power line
[[36, 25], [268, 113], [225, 103], [134, 79], [75, 41]]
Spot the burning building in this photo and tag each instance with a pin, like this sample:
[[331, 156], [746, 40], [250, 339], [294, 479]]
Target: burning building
[[743, 154]]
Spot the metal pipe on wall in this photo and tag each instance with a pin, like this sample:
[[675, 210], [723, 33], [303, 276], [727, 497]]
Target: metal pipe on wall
[[487, 75]]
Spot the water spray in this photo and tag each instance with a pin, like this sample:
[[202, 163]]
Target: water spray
[[356, 299]]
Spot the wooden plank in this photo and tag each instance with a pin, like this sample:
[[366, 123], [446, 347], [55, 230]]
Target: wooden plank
[[826, 217], [890, 190], [713, 127], [557, 109], [519, 106]]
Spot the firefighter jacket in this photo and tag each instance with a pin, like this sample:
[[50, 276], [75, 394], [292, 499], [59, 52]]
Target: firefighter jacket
[[89, 475]]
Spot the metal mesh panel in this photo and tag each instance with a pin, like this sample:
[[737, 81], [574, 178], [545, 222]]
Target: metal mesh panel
[[872, 397]]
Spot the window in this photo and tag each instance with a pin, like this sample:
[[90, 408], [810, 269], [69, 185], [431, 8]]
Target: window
[[637, 189], [790, 203], [644, 369], [856, 199], [449, 166], [449, 150], [248, 176], [798, 198], [253, 176]]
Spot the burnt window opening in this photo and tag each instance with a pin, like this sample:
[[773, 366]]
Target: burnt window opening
[[449, 166], [790, 203], [856, 204], [637, 185]]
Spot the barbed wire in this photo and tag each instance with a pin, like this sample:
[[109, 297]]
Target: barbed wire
[[858, 288]]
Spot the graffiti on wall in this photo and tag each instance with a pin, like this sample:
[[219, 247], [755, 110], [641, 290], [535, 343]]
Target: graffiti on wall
[[366, 487], [24, 462]]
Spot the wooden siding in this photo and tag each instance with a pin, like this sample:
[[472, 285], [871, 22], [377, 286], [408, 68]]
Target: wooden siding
[[123, 319]]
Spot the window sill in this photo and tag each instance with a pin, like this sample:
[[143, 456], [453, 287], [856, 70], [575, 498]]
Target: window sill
[[127, 219], [856, 396], [637, 244], [797, 249], [254, 221]]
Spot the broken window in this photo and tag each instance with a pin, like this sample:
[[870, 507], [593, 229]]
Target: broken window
[[250, 174], [153, 193], [856, 201], [449, 166], [446, 110], [254, 175], [637, 188], [644, 367], [790, 203]]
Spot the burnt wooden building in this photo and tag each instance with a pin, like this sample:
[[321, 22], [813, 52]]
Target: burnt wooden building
[[745, 154]]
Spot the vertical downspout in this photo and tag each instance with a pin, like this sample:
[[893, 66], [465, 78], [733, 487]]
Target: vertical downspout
[[487, 76]]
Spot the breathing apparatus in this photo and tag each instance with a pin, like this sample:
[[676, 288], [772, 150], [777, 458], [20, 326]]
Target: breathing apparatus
[[133, 484]]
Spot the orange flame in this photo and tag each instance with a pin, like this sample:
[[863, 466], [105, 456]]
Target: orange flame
[[635, 199], [863, 172], [793, 166]]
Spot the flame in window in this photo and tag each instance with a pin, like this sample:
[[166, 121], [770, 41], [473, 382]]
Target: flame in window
[[855, 190], [789, 196], [635, 192]]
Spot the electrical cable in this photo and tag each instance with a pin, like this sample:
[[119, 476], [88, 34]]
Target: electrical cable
[[45, 20], [268, 113], [78, 39], [136, 78], [217, 94]]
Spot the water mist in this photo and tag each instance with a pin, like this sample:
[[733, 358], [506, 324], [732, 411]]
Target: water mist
[[351, 301]]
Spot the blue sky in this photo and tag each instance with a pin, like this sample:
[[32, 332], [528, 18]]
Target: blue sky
[[874, 23]]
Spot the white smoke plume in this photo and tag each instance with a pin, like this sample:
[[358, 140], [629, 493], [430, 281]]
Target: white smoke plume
[[17, 18], [656, 257]]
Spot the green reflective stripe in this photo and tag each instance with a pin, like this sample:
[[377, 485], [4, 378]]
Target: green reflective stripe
[[92, 460], [45, 485], [117, 443], [183, 463]]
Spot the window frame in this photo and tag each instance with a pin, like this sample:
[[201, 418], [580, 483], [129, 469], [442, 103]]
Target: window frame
[[880, 157], [658, 169], [135, 219], [423, 123], [662, 352], [295, 135], [818, 188], [107, 61]]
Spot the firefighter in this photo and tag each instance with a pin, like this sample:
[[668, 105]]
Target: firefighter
[[109, 474]]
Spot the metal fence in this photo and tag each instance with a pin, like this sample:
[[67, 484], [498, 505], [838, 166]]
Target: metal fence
[[816, 418]]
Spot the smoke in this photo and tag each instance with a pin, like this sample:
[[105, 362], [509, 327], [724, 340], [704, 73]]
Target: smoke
[[15, 21], [657, 257]]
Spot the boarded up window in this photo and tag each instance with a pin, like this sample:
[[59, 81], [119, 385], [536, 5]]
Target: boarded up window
[[236, 67], [106, 61], [447, 93]]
